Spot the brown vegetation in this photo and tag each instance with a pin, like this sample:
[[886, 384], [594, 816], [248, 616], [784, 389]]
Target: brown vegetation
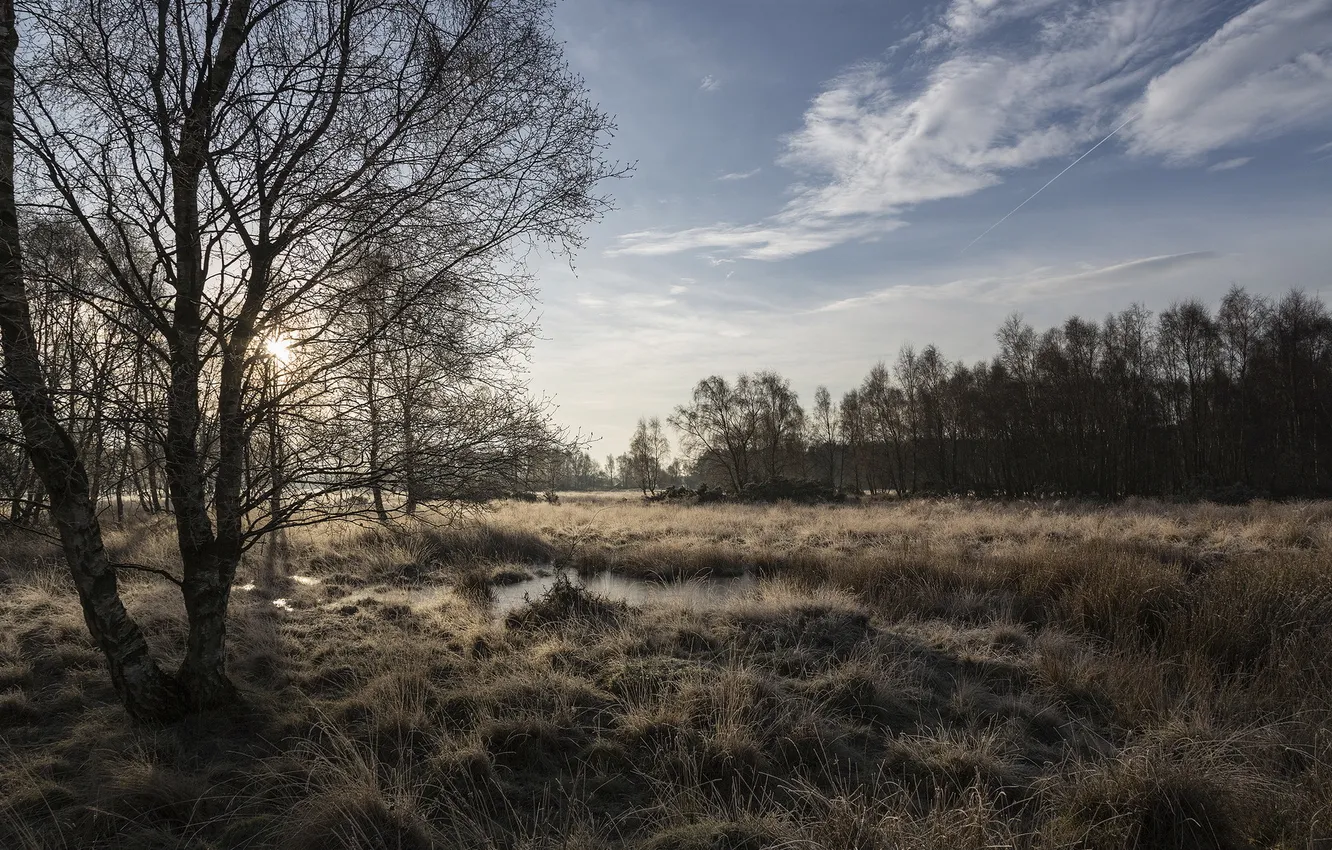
[[927, 674]]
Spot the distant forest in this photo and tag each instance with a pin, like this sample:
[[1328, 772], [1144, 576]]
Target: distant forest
[[1230, 404]]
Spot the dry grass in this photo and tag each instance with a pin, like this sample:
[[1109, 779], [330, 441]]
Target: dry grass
[[931, 674]]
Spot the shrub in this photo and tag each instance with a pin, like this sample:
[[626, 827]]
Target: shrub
[[565, 602]]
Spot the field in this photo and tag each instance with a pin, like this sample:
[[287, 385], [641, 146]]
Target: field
[[929, 674]]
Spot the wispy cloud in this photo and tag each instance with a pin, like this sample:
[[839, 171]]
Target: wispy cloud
[[1038, 283], [992, 101], [786, 236], [965, 20], [1106, 277], [740, 175], [1265, 72], [1228, 164], [679, 289], [709, 83]]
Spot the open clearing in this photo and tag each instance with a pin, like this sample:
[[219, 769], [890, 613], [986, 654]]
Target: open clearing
[[945, 674]]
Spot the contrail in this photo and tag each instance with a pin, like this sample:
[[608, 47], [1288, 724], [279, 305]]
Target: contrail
[[1047, 185]]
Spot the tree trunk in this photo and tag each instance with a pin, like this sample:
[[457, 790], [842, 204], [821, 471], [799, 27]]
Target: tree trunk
[[207, 592], [120, 481], [376, 426], [409, 456], [209, 559], [148, 694], [276, 554]]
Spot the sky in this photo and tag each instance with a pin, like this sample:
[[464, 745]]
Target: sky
[[816, 181]]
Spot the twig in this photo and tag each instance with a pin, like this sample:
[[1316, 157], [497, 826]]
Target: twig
[[578, 537], [5, 522], [141, 568]]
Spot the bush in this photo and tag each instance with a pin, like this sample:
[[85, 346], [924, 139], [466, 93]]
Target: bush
[[702, 495], [790, 490]]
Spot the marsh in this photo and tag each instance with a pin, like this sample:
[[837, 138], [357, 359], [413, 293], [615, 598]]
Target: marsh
[[943, 673]]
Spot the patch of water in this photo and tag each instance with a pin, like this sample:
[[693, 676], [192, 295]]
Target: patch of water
[[697, 594]]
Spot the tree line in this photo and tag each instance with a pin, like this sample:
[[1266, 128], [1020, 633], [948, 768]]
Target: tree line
[[1230, 403]]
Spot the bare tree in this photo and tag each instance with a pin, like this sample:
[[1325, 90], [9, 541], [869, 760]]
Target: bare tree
[[146, 691], [736, 431], [824, 431], [883, 407], [851, 425], [232, 164], [648, 450], [720, 428], [781, 423]]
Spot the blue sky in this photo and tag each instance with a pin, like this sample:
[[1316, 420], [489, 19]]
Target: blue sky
[[812, 174]]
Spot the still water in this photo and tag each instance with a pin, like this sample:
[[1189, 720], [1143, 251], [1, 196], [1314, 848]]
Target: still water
[[696, 594]]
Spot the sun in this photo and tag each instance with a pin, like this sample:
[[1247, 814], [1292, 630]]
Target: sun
[[279, 348]]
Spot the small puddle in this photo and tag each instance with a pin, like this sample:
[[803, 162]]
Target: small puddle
[[696, 594]]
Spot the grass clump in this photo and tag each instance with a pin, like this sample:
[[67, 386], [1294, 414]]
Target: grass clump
[[566, 604]]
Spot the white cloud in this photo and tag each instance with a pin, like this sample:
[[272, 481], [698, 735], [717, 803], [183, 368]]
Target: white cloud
[[965, 20], [1037, 283], [1105, 277], [709, 83], [967, 288], [1229, 164], [679, 289], [784, 237], [869, 150], [740, 175], [1267, 71]]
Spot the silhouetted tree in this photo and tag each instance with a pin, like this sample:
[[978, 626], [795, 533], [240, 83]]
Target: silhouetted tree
[[824, 432], [230, 167], [648, 450]]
